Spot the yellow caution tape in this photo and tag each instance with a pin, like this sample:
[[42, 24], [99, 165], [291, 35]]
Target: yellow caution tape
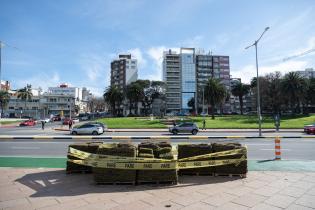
[[119, 162], [172, 165]]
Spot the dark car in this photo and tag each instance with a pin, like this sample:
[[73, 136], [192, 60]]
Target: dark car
[[28, 123], [185, 127], [309, 129], [56, 118]]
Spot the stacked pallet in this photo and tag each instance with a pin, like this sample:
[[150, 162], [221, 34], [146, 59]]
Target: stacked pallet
[[230, 169], [190, 150], [90, 147], [115, 176], [162, 150]]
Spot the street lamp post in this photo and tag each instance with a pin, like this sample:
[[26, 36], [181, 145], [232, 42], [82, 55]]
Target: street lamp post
[[258, 88]]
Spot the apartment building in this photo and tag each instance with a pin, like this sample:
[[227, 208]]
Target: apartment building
[[63, 100], [186, 73], [307, 73], [124, 70], [172, 78]]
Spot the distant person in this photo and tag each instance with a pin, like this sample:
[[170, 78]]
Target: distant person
[[174, 123], [204, 124], [70, 124], [43, 125]]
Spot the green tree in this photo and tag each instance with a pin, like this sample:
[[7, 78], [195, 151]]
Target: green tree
[[215, 93], [135, 94], [191, 103], [113, 97], [294, 88], [310, 93], [155, 90], [25, 94], [4, 100], [240, 90]]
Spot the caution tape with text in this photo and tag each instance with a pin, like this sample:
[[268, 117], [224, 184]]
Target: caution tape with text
[[130, 163]]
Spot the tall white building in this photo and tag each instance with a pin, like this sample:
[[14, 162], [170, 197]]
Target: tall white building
[[307, 73]]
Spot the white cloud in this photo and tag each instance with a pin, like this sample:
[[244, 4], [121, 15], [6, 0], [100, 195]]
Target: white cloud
[[42, 80], [249, 71], [137, 53], [156, 54]]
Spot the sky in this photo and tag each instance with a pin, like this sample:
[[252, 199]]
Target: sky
[[48, 42]]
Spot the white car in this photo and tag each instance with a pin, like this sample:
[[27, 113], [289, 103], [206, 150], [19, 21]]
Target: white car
[[93, 129], [46, 120], [75, 120]]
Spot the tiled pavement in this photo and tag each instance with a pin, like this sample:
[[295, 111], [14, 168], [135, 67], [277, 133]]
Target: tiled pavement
[[53, 189]]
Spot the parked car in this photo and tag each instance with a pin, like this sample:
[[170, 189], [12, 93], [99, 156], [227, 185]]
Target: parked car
[[93, 129], [28, 123], [104, 126], [46, 120], [309, 129], [185, 127], [56, 118]]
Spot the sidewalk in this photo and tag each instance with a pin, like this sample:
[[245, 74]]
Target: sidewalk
[[53, 189]]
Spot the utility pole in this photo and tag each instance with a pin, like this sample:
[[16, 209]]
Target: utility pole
[[258, 90]]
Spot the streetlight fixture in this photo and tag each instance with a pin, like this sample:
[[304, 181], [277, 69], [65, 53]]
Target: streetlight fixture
[[258, 91]]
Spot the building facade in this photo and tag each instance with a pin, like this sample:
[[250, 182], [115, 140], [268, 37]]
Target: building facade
[[124, 70], [172, 78], [186, 73], [307, 73]]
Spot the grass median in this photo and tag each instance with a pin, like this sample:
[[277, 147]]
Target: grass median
[[227, 122]]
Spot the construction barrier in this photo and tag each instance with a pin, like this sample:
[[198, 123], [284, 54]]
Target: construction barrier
[[277, 149]]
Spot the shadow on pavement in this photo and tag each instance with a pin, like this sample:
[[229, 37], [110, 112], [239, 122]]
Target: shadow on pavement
[[58, 183]]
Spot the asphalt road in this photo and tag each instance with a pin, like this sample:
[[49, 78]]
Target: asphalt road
[[49, 131], [258, 149]]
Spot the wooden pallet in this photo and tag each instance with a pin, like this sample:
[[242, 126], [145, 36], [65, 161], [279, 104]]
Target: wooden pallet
[[231, 175], [195, 174], [116, 183], [171, 182], [78, 172]]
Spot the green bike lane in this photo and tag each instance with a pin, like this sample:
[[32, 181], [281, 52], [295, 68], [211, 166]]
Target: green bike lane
[[253, 165]]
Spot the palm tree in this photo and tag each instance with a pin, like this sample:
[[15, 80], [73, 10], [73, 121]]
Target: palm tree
[[113, 96], [294, 87], [240, 90], [135, 94], [215, 93], [4, 100], [25, 94]]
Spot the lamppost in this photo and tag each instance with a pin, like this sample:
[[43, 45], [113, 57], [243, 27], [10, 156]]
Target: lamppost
[[258, 91]]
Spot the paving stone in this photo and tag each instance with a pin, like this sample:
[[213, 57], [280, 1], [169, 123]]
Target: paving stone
[[293, 191], [220, 199], [188, 199], [234, 206], [306, 200], [14, 202], [213, 190], [199, 206], [311, 191], [239, 191], [71, 205], [249, 200], [99, 206], [303, 185], [264, 206], [297, 207], [266, 191], [256, 184], [166, 205], [136, 205], [281, 201]]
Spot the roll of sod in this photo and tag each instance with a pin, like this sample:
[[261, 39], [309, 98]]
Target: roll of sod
[[230, 169], [113, 176], [90, 147], [157, 176], [190, 150]]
